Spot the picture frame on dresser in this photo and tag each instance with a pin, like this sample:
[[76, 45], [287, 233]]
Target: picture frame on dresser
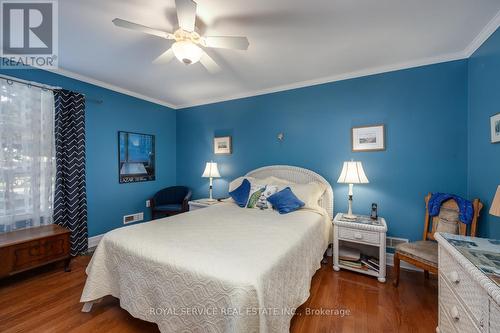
[[495, 128]]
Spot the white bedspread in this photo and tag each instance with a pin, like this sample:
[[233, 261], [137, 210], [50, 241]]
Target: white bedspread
[[217, 269]]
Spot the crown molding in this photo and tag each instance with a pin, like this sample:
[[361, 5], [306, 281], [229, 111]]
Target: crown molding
[[483, 35], [109, 86], [334, 78]]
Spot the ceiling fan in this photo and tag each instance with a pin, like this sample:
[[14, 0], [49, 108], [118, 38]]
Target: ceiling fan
[[188, 44]]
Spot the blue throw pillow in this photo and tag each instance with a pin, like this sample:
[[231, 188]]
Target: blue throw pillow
[[285, 201], [240, 194]]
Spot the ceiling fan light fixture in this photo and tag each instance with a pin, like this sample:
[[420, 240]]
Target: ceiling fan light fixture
[[187, 52]]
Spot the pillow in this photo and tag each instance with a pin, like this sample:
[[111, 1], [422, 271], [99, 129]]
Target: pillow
[[256, 191], [241, 193], [309, 193], [237, 182], [262, 203], [285, 201]]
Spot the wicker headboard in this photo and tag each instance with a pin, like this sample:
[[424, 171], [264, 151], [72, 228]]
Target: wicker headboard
[[299, 176]]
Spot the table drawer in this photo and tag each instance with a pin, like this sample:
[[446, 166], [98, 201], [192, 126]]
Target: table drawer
[[445, 325], [454, 310], [359, 235], [463, 285], [33, 253]]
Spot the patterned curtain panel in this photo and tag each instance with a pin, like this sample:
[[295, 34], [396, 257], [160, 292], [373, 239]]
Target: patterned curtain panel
[[70, 199]]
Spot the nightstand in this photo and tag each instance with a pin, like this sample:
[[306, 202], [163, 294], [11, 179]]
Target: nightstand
[[363, 236], [201, 203]]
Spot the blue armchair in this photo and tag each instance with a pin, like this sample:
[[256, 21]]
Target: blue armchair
[[170, 201]]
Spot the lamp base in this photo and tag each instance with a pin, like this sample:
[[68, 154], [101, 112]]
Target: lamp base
[[349, 216]]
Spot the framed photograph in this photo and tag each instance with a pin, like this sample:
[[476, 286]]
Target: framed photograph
[[495, 128], [222, 145], [136, 157], [368, 138]]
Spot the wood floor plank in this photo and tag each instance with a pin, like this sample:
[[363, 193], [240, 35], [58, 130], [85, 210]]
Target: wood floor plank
[[47, 300]]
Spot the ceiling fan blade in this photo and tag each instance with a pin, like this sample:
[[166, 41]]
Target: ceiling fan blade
[[227, 42], [209, 63], [165, 57], [138, 27], [186, 14]]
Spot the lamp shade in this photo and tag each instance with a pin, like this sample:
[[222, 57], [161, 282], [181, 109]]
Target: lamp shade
[[211, 170], [352, 173], [495, 205]]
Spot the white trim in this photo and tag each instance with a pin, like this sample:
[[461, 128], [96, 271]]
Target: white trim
[[94, 241], [487, 31], [334, 78], [403, 264], [109, 86]]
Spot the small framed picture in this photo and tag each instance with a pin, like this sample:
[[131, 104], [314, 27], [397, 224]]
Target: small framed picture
[[495, 128], [222, 145], [368, 138]]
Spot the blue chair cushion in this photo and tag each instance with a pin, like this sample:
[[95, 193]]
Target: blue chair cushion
[[240, 194], [171, 207], [285, 201]]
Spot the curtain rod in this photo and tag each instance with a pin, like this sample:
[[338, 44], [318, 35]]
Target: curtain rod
[[45, 87]]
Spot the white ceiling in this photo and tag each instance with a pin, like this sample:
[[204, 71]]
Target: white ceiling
[[293, 43]]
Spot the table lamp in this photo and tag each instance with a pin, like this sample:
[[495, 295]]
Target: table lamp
[[495, 205], [211, 171], [352, 173]]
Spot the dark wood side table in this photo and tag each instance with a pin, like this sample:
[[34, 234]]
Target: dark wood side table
[[25, 249]]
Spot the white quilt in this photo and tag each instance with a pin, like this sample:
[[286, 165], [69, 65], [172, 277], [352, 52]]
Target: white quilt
[[217, 269]]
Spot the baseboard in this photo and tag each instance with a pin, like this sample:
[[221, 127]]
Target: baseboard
[[94, 241]]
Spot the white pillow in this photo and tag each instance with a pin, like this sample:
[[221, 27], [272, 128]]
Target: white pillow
[[309, 193]]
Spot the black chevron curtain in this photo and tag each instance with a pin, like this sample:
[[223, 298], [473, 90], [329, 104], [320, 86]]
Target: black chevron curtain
[[70, 198]]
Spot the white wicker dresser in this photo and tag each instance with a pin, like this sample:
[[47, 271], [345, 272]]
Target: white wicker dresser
[[469, 301]]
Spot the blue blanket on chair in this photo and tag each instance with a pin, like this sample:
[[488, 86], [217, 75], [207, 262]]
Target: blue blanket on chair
[[465, 206]]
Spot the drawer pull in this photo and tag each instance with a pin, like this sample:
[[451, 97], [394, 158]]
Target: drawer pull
[[357, 235], [454, 277], [454, 313]]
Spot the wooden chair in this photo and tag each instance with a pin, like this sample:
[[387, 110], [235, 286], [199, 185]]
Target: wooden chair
[[424, 254]]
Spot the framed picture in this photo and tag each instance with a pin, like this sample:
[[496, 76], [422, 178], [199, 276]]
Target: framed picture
[[136, 157], [222, 145], [495, 128], [368, 138]]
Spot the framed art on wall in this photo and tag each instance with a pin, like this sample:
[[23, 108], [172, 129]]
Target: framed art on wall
[[136, 157], [368, 138], [495, 128], [222, 145]]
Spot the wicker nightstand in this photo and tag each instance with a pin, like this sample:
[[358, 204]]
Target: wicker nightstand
[[369, 238]]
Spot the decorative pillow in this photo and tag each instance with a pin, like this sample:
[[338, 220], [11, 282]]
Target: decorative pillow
[[256, 191], [285, 201], [262, 203], [237, 182], [241, 193]]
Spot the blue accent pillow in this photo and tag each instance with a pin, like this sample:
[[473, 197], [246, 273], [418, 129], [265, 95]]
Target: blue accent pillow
[[285, 201], [240, 194]]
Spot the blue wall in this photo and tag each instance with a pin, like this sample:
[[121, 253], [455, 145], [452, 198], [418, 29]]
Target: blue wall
[[484, 157], [424, 110], [108, 200]]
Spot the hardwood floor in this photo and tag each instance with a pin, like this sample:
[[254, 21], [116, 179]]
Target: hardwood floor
[[47, 300]]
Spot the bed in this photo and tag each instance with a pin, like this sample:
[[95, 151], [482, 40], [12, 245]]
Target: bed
[[217, 269]]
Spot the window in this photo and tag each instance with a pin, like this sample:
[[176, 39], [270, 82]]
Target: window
[[27, 156]]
